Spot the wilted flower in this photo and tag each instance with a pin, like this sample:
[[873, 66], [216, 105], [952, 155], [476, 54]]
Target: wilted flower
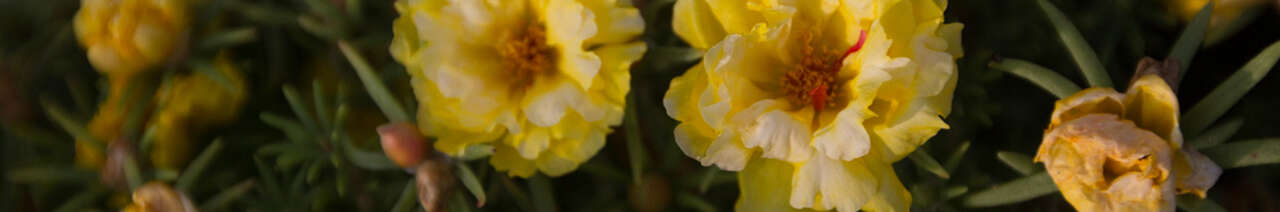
[[541, 81], [127, 36], [1108, 151], [188, 105], [159, 197], [435, 181], [813, 100]]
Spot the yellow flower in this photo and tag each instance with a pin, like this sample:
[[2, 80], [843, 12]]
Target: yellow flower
[[1224, 11], [813, 100], [188, 105], [539, 81], [157, 196], [128, 36], [1108, 151]]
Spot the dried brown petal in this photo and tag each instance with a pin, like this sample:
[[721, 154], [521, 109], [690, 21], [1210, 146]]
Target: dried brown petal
[[112, 174], [1167, 69], [435, 183]]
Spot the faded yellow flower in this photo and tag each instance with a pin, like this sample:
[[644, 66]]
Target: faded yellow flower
[[1224, 11], [538, 82], [188, 105], [129, 36], [1108, 151], [159, 197], [813, 100]]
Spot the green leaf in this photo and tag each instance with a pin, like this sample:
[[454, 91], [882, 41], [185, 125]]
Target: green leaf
[[73, 127], [405, 201], [291, 129], [1229, 92], [1093, 70], [544, 199], [299, 107], [82, 200], [926, 162], [1021, 189], [229, 38], [667, 60], [955, 191], [321, 101], [635, 149], [1192, 203], [1217, 135], [383, 97], [522, 200], [1245, 153], [1018, 161], [1051, 81], [132, 174], [367, 159], [705, 182], [694, 202], [1185, 48], [48, 174], [225, 197], [953, 161], [472, 183], [272, 184], [197, 167]]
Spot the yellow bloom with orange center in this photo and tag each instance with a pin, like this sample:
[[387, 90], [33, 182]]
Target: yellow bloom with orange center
[[811, 101], [539, 81], [129, 36], [1108, 151]]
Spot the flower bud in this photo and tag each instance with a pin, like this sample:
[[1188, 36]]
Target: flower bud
[[112, 174], [435, 183], [159, 197], [402, 143]]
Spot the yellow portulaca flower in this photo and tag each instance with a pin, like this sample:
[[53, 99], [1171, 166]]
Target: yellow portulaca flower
[[1224, 11], [1108, 151], [159, 197], [128, 36], [813, 100], [539, 81], [188, 105]]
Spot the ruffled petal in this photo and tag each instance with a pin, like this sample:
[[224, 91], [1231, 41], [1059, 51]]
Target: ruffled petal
[[569, 24], [1150, 104], [765, 186]]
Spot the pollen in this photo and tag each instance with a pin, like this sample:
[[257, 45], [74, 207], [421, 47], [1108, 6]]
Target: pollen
[[812, 82], [526, 55]]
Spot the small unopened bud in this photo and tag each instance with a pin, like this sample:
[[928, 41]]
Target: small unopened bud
[[157, 196], [402, 143], [435, 183], [112, 174]]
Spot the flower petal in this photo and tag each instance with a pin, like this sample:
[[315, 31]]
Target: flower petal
[[1150, 104]]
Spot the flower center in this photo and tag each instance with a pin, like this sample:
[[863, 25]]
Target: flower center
[[812, 82], [526, 54]]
